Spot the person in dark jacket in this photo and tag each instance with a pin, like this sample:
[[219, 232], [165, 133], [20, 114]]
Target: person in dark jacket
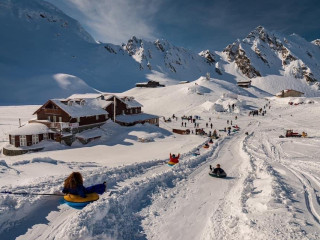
[[74, 185], [217, 170]]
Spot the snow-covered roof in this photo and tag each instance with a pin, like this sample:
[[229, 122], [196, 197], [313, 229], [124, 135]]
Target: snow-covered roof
[[287, 90], [91, 133], [85, 95], [130, 102], [143, 83], [91, 107], [135, 117], [31, 128]]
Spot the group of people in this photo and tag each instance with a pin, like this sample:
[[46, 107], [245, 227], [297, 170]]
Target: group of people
[[74, 182]]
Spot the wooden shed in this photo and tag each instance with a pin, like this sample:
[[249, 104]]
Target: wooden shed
[[244, 84], [289, 93]]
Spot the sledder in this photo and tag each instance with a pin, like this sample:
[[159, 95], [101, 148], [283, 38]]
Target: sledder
[[217, 172], [197, 152], [173, 159], [77, 195]]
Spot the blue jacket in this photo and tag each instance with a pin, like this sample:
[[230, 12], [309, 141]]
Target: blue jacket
[[81, 190]]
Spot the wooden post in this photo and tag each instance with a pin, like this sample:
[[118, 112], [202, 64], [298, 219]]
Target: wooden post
[[19, 122], [114, 108]]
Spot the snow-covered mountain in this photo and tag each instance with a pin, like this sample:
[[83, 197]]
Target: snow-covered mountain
[[46, 54], [265, 56], [39, 41]]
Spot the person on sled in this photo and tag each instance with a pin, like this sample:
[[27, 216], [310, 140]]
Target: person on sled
[[197, 152], [174, 158], [74, 185], [218, 170]]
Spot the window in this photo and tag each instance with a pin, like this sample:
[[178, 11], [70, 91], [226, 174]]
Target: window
[[23, 141], [130, 110], [54, 118], [97, 117], [123, 112], [60, 119], [45, 136], [35, 138], [49, 118], [78, 119], [12, 140]]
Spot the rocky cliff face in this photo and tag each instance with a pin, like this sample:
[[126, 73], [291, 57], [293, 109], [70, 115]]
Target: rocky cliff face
[[259, 54], [238, 55]]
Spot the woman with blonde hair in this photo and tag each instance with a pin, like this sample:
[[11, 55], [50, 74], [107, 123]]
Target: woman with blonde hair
[[74, 185]]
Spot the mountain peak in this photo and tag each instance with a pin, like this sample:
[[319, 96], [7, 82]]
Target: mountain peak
[[259, 32], [316, 42]]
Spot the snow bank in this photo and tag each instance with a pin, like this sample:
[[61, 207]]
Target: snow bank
[[198, 89]]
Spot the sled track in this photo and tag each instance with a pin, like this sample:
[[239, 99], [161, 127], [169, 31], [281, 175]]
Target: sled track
[[131, 185], [268, 151], [13, 223], [135, 196], [306, 180]]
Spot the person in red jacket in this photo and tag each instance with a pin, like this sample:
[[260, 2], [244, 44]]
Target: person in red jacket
[[174, 158]]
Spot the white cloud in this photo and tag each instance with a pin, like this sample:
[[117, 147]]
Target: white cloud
[[113, 21]]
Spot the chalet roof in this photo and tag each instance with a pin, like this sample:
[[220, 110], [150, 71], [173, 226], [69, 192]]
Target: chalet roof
[[85, 95], [244, 83], [91, 107], [131, 102], [31, 128], [135, 117]]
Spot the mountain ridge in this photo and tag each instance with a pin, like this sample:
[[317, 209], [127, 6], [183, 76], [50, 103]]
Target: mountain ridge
[[41, 43]]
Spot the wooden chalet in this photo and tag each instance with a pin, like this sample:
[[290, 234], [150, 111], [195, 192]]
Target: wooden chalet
[[245, 84], [289, 93], [123, 110], [150, 84], [64, 114], [30, 134]]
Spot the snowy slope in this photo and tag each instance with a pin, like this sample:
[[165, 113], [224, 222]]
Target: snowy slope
[[271, 189], [39, 41]]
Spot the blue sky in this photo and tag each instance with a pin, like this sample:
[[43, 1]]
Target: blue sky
[[193, 24]]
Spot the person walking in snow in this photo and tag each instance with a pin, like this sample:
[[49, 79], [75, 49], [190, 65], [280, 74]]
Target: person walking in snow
[[211, 125], [185, 124], [206, 124], [74, 185]]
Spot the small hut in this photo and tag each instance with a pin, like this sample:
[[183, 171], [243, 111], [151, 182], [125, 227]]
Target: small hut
[[150, 84], [289, 93], [245, 84], [30, 134]]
